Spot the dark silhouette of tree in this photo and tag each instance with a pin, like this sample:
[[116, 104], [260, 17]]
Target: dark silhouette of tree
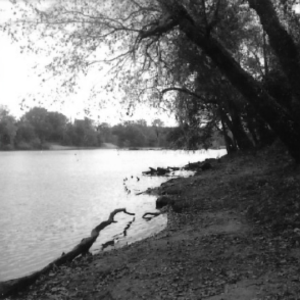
[[159, 46], [37, 117], [58, 123], [277, 116], [8, 129], [26, 137], [84, 133]]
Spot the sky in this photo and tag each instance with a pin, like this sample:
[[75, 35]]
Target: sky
[[18, 81]]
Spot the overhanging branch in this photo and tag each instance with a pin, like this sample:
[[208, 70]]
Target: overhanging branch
[[188, 92], [161, 28]]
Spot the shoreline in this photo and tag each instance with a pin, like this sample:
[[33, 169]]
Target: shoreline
[[105, 146], [223, 240], [57, 147]]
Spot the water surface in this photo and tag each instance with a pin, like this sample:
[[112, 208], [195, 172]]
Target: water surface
[[50, 200]]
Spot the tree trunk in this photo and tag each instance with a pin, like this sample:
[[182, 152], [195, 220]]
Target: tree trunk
[[250, 119], [235, 126], [275, 115], [266, 63], [230, 145], [279, 119], [281, 42], [238, 130]]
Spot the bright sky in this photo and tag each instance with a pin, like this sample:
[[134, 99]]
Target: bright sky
[[18, 80]]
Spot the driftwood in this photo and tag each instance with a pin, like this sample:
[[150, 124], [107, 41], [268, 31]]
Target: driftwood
[[201, 165], [155, 214], [193, 166], [108, 244], [143, 192], [127, 227], [124, 233], [15, 285], [174, 168], [157, 172]]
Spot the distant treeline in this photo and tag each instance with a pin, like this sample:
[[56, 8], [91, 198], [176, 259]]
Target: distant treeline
[[38, 128]]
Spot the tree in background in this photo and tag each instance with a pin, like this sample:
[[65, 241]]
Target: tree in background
[[39, 128], [84, 133], [26, 137], [8, 129], [58, 124], [129, 135], [37, 117]]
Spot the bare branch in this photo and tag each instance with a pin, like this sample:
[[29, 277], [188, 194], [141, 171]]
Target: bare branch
[[204, 13], [112, 59], [257, 59], [215, 18], [186, 91], [159, 29], [154, 214], [11, 286]]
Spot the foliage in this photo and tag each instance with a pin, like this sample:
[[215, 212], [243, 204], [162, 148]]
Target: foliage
[[38, 128], [138, 134], [210, 61], [7, 129]]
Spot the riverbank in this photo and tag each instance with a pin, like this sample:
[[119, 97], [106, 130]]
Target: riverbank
[[61, 147], [57, 147], [235, 235]]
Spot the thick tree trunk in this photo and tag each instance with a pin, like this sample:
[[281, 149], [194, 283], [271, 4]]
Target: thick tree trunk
[[240, 135], [237, 129], [230, 145], [251, 120], [235, 126], [266, 63], [281, 42]]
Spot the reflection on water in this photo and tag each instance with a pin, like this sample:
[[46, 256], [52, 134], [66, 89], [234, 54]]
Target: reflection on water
[[51, 200]]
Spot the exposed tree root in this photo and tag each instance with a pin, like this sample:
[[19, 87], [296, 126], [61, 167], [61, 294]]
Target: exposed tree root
[[141, 193], [159, 171], [155, 214], [15, 285]]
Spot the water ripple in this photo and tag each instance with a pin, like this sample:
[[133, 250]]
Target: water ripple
[[51, 200]]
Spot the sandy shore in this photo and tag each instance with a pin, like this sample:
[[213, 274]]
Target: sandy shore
[[233, 233]]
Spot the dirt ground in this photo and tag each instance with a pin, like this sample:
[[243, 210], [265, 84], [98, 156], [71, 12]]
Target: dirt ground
[[233, 233]]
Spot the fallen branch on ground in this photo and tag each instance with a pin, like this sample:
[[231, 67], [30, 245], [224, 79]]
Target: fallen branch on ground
[[144, 192], [15, 285], [151, 214], [157, 172]]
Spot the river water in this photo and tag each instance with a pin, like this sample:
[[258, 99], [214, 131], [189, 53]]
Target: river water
[[50, 200]]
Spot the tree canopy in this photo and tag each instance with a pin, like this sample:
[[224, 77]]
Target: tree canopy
[[218, 64], [39, 129]]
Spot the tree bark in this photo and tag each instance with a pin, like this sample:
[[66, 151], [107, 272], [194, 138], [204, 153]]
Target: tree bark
[[236, 127], [230, 145], [279, 119], [266, 62], [281, 42]]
